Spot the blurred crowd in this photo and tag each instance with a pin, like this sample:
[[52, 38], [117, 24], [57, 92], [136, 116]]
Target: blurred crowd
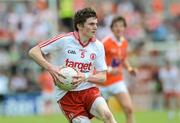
[[153, 32]]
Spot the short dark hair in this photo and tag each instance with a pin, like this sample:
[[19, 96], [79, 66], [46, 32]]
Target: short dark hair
[[82, 15], [118, 18]]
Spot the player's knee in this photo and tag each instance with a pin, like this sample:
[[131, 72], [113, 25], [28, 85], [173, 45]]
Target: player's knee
[[128, 110], [107, 115], [81, 119]]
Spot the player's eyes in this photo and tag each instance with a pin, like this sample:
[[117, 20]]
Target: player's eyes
[[93, 24]]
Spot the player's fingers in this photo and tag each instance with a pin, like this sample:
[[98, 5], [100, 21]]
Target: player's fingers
[[76, 81], [61, 76], [54, 78], [76, 84], [135, 71], [61, 67], [76, 77]]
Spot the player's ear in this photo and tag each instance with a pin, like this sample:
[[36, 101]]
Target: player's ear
[[79, 26]]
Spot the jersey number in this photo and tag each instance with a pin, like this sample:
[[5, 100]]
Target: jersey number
[[82, 54]]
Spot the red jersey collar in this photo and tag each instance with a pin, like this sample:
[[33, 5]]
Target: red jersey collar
[[76, 35]]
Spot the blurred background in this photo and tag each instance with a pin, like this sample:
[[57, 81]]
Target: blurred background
[[153, 33]]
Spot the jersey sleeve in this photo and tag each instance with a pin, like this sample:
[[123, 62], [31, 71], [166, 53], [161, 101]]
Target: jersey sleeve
[[51, 45], [100, 63]]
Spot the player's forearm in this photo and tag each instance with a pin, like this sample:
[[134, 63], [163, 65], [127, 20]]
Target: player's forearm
[[98, 78], [36, 55], [127, 65]]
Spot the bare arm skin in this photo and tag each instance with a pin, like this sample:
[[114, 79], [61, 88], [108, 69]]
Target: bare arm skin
[[97, 78], [36, 54], [128, 67]]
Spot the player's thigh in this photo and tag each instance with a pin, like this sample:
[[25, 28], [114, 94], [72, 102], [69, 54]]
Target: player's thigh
[[99, 107], [124, 99], [120, 91]]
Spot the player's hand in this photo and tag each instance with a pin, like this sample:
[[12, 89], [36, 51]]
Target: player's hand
[[78, 79], [133, 71], [56, 75], [115, 70]]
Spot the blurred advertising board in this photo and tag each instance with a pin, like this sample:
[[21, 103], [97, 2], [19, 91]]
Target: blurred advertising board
[[22, 104]]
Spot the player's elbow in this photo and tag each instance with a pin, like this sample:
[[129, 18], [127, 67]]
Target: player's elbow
[[32, 51]]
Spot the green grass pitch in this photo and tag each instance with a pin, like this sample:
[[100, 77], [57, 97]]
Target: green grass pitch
[[141, 117]]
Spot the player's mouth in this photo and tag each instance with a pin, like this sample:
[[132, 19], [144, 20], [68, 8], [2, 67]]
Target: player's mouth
[[93, 32]]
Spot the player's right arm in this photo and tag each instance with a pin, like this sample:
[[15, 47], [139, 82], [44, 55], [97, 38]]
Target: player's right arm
[[36, 54]]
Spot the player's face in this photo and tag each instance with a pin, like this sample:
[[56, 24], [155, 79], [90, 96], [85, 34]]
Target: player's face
[[90, 27], [118, 28]]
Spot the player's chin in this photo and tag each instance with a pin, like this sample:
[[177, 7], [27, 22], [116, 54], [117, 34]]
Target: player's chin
[[92, 35]]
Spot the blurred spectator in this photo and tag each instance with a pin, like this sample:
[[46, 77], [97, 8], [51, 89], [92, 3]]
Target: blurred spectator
[[14, 53], [66, 14], [4, 88], [176, 25], [18, 83], [33, 86], [160, 34], [169, 76], [157, 5], [46, 83], [4, 82], [5, 58]]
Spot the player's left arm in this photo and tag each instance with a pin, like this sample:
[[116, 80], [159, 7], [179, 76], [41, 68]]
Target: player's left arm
[[98, 78], [126, 63], [129, 68]]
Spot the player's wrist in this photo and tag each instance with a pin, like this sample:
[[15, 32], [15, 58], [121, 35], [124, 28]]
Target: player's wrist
[[130, 69], [49, 67], [86, 76], [109, 69]]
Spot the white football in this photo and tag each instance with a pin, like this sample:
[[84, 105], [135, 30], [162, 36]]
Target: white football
[[67, 72]]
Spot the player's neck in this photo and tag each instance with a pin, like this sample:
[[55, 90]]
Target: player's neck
[[117, 38], [83, 39]]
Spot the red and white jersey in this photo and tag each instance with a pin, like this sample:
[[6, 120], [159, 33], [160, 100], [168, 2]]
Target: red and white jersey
[[67, 50]]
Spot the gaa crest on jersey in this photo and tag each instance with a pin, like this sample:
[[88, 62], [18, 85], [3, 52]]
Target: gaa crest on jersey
[[71, 52], [92, 56]]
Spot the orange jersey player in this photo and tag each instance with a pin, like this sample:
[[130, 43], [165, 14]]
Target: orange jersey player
[[115, 58], [115, 49]]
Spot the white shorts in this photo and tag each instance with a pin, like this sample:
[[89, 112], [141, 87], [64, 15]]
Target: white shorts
[[119, 87], [171, 87]]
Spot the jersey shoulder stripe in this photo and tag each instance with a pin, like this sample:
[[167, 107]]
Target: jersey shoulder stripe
[[47, 42]]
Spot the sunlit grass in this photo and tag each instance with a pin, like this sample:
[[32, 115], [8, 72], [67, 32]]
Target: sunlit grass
[[141, 117]]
